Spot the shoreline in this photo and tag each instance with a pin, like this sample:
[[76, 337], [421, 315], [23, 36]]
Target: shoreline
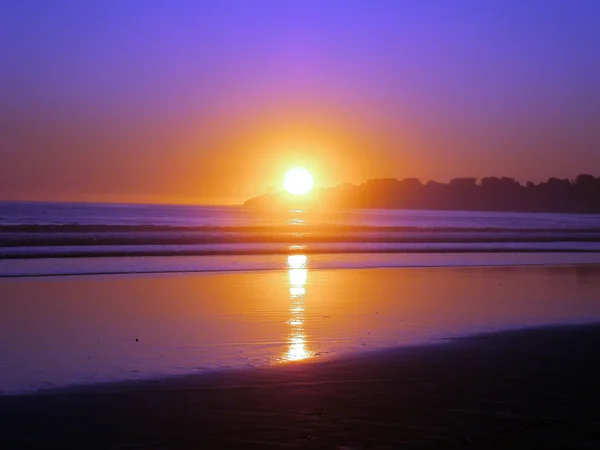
[[56, 252], [358, 357], [221, 271], [186, 264], [522, 388]]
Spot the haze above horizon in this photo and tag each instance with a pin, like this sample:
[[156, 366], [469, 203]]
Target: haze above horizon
[[211, 102]]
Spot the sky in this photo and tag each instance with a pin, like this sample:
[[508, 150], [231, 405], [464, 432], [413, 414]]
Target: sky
[[211, 101]]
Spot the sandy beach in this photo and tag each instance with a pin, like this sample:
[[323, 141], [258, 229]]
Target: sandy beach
[[518, 389]]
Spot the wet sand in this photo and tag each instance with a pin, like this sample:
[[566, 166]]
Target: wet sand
[[534, 388], [60, 331]]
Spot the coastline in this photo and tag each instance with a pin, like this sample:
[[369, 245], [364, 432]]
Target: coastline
[[526, 388], [132, 265]]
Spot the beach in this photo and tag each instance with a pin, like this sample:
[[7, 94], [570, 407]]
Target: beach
[[68, 330], [517, 389], [300, 224], [451, 357]]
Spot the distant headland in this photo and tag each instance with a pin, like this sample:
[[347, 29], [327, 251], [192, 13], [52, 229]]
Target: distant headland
[[581, 195]]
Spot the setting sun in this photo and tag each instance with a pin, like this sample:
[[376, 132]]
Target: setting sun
[[298, 181]]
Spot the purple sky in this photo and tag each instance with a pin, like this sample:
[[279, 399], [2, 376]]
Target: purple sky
[[212, 100]]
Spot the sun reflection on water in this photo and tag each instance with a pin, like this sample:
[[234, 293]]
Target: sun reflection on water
[[298, 273], [297, 261]]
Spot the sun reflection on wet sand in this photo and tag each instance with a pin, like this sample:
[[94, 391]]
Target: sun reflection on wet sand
[[298, 273]]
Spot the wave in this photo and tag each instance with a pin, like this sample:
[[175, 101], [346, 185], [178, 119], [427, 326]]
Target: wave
[[227, 232], [294, 227], [28, 252], [47, 236], [242, 263]]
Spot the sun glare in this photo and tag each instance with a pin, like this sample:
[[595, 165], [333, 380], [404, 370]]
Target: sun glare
[[298, 181]]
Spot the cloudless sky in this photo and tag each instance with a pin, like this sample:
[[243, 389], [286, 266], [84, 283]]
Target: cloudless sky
[[211, 101]]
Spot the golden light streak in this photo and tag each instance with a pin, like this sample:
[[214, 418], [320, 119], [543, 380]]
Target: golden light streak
[[298, 274]]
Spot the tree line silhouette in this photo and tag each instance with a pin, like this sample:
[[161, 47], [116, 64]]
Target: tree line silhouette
[[581, 195]]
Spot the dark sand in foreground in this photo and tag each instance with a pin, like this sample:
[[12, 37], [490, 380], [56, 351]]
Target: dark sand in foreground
[[519, 389]]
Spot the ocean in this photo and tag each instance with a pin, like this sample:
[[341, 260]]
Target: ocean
[[95, 293], [234, 238]]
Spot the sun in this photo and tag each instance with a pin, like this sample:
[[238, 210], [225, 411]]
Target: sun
[[298, 181]]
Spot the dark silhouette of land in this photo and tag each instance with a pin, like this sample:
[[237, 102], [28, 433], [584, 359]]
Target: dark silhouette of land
[[581, 195]]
